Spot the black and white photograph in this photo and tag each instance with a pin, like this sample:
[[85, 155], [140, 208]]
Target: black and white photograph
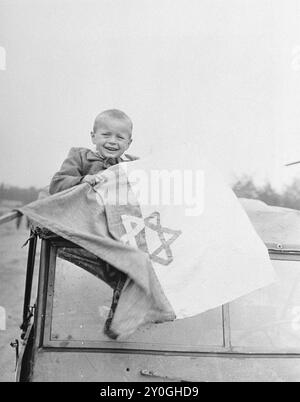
[[149, 193]]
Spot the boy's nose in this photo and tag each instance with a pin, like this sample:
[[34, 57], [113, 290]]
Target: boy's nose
[[112, 142]]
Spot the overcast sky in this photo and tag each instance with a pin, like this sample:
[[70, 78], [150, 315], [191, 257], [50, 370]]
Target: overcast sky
[[221, 74]]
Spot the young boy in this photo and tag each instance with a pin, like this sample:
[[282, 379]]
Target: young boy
[[111, 135]]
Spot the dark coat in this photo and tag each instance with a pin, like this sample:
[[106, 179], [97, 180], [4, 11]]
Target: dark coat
[[79, 163]]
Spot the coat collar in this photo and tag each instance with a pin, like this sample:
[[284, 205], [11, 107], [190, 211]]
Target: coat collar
[[94, 156]]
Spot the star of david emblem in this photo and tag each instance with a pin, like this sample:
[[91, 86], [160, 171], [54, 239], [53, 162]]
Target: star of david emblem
[[162, 252]]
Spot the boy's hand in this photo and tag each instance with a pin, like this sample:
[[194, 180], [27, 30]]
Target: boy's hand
[[92, 179]]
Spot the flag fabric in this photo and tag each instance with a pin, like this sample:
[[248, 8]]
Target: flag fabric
[[173, 226]]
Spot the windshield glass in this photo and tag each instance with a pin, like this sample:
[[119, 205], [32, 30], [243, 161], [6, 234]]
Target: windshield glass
[[270, 318], [81, 303], [267, 320]]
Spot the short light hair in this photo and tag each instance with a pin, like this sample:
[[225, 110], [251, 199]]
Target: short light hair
[[113, 114]]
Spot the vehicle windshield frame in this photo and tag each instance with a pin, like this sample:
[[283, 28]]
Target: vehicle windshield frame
[[47, 283]]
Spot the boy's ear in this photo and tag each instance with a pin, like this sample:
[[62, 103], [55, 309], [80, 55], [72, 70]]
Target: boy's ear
[[129, 142], [93, 137]]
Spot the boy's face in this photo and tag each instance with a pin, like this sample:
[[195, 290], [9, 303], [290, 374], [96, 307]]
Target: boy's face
[[112, 137]]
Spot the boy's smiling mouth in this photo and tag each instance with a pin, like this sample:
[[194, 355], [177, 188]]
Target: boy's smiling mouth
[[112, 149]]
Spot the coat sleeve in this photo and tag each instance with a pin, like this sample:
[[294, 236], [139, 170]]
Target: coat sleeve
[[70, 173]]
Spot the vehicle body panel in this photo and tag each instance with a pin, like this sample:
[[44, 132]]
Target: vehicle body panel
[[64, 365]]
